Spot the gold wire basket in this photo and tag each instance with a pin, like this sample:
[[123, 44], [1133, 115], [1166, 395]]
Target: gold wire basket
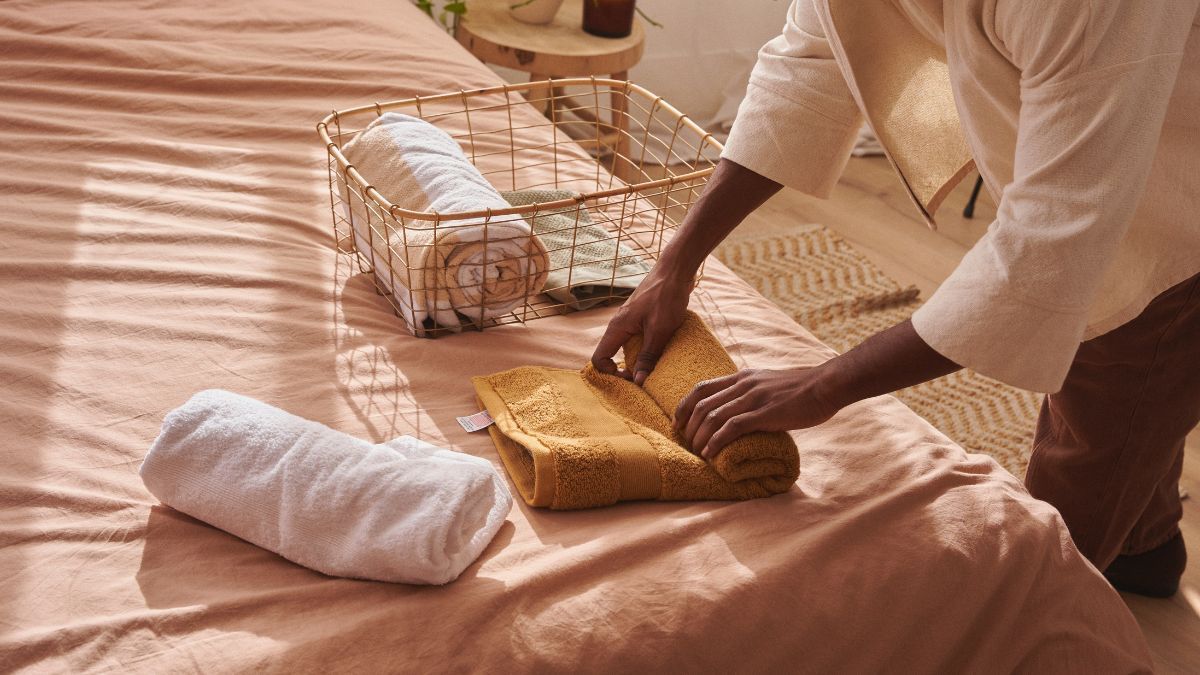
[[599, 171]]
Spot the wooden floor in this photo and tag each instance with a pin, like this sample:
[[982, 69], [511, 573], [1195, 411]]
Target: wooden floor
[[871, 210]]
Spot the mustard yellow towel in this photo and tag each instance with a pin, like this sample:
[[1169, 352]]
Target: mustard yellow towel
[[579, 439]]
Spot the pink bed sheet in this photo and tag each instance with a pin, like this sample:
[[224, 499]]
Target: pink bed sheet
[[166, 228]]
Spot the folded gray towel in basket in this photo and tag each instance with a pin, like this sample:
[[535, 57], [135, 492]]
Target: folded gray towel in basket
[[587, 263]]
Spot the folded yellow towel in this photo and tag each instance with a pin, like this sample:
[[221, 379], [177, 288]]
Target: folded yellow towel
[[579, 439]]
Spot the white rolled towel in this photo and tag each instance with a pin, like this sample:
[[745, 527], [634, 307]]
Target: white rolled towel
[[405, 511], [460, 270]]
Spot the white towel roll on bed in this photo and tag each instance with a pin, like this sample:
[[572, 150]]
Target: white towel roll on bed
[[405, 511], [462, 270]]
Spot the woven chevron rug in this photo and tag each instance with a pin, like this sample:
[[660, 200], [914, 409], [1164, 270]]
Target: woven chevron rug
[[839, 295]]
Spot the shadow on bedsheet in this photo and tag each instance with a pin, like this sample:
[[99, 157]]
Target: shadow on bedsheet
[[400, 384], [187, 564], [367, 378]]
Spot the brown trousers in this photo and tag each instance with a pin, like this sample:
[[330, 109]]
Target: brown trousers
[[1108, 451]]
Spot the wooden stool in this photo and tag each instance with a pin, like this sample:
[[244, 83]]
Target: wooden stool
[[557, 49]]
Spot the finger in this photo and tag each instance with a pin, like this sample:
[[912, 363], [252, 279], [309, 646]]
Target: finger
[[702, 390], [614, 337], [647, 358], [716, 420], [734, 428], [706, 410]]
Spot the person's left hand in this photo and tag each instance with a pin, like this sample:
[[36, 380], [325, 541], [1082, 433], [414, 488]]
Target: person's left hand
[[717, 411]]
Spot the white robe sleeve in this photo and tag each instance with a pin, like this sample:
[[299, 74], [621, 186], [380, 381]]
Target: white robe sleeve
[[1094, 90], [798, 121]]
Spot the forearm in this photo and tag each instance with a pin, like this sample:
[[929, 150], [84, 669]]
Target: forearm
[[719, 410], [732, 193], [886, 362]]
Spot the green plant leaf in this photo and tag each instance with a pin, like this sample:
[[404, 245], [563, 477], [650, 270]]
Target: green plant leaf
[[650, 21]]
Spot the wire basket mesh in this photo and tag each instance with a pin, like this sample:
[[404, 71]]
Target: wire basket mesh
[[598, 173]]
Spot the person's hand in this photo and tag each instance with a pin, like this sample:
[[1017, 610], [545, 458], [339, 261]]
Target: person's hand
[[717, 411], [657, 308], [654, 311], [720, 410]]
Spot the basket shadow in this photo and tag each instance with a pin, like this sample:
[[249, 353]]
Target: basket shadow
[[397, 384]]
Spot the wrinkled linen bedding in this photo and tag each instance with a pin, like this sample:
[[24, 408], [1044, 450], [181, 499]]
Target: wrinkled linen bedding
[[166, 225]]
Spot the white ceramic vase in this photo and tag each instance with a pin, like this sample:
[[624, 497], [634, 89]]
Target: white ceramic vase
[[538, 11]]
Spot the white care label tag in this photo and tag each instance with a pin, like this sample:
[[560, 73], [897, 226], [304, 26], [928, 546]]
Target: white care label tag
[[480, 420]]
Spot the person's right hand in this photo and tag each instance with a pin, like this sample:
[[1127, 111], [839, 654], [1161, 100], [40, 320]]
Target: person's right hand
[[658, 306], [654, 311]]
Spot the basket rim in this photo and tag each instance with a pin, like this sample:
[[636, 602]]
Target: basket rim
[[435, 217]]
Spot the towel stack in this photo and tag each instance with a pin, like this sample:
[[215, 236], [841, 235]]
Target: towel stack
[[404, 511], [580, 439], [451, 272]]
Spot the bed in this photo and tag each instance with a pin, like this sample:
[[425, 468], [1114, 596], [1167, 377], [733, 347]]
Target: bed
[[166, 228]]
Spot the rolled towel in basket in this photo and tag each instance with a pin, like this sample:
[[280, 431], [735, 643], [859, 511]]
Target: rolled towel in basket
[[574, 440], [474, 269], [404, 511]]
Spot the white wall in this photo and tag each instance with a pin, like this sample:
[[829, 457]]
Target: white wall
[[703, 54]]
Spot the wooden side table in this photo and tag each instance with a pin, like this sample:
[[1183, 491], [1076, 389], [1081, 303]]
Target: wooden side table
[[557, 49]]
